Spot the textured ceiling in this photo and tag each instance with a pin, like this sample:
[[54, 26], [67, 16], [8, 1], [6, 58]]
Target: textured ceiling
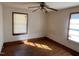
[[55, 5]]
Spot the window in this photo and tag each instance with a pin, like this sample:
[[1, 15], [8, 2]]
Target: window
[[73, 33], [19, 25]]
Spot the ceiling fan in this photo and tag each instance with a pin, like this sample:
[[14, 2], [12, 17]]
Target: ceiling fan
[[43, 7]]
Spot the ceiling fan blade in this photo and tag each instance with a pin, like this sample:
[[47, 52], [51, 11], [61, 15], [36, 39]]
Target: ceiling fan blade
[[34, 7], [35, 10], [51, 8], [45, 10]]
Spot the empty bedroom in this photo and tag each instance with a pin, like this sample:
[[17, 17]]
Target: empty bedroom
[[39, 28]]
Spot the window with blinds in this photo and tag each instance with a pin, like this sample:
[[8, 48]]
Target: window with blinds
[[74, 27], [19, 23]]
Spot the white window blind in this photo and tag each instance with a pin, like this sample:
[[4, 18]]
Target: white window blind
[[19, 23], [74, 27]]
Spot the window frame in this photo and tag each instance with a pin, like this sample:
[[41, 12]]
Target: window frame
[[13, 23], [69, 24]]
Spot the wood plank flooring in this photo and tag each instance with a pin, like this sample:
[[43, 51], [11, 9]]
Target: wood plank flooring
[[35, 47]]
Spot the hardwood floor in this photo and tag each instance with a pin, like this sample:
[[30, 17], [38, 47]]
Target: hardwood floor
[[35, 47]]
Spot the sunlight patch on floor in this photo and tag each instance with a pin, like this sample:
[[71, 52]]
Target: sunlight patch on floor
[[43, 46], [29, 43]]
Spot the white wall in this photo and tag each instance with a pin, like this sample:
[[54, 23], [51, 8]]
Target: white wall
[[56, 23], [58, 26], [36, 24], [1, 27]]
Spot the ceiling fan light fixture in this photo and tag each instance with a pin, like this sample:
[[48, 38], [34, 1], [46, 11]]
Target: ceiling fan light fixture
[[43, 7]]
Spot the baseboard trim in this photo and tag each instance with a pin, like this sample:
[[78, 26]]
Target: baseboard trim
[[73, 52]]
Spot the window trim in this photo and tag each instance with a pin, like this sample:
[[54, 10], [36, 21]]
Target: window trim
[[69, 23], [13, 23]]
